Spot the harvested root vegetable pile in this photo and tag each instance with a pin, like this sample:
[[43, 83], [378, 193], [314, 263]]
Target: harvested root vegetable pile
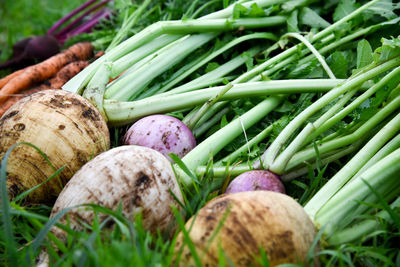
[[208, 133]]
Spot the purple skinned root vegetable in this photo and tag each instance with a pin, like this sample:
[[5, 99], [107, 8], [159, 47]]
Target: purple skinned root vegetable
[[256, 180], [163, 133], [30, 50]]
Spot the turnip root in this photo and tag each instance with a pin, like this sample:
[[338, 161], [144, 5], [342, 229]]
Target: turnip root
[[256, 180], [250, 221], [64, 126], [138, 178], [163, 133]]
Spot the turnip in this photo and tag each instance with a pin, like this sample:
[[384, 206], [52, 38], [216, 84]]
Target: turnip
[[66, 127], [246, 223], [163, 133], [256, 180], [139, 178]]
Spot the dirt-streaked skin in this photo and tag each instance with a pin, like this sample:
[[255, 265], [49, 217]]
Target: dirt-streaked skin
[[255, 221], [64, 126], [137, 177]]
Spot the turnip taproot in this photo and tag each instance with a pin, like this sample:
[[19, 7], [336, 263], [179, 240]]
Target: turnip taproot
[[163, 133], [256, 180], [244, 224], [137, 177], [64, 126]]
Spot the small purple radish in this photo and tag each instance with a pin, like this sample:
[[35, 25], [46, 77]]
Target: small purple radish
[[163, 133], [256, 180]]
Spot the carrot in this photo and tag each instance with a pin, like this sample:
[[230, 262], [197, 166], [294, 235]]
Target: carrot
[[46, 69], [56, 82], [5, 80]]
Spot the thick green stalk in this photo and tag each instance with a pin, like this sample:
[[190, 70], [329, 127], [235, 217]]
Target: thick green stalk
[[120, 113], [391, 146], [273, 150], [229, 45], [246, 147], [362, 229], [214, 143], [373, 146], [134, 83], [343, 203], [204, 127], [202, 81], [96, 87], [80, 80], [131, 85], [293, 50], [138, 54], [293, 172], [354, 104], [331, 188]]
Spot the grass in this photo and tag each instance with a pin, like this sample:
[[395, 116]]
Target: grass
[[24, 18]]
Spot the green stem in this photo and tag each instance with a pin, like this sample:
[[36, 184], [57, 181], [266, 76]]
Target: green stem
[[246, 147], [214, 74], [343, 203], [273, 150], [365, 153], [80, 80], [127, 25], [96, 87], [331, 188], [209, 123], [214, 143], [361, 230], [293, 172], [314, 51], [231, 44], [120, 113], [354, 104]]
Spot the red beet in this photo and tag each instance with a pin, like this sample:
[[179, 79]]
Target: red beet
[[256, 180]]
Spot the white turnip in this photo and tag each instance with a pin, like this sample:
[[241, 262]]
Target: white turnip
[[138, 178], [244, 224], [256, 180], [163, 133], [66, 127]]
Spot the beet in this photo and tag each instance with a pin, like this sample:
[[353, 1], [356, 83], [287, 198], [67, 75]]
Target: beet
[[256, 180], [31, 50]]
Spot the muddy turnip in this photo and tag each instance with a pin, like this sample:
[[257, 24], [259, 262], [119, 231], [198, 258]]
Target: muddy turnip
[[66, 127], [244, 224]]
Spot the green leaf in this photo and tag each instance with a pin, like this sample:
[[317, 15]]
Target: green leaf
[[384, 8], [255, 11], [292, 22], [344, 8], [311, 18], [238, 11], [390, 48], [211, 66], [364, 54], [339, 64]]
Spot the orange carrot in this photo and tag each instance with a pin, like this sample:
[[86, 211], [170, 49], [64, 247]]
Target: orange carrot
[[7, 78], [44, 70], [56, 82]]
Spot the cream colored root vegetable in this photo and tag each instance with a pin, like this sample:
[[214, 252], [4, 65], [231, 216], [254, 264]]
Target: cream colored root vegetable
[[138, 177], [63, 125], [255, 220]]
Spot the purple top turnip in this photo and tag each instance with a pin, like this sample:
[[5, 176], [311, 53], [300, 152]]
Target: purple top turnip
[[163, 133], [256, 180]]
